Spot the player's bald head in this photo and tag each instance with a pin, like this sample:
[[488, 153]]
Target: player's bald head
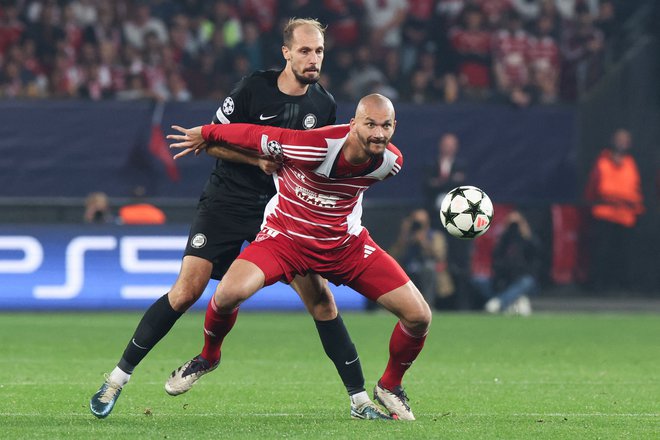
[[374, 103]]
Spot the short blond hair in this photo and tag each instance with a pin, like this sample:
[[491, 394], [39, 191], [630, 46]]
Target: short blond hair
[[287, 34]]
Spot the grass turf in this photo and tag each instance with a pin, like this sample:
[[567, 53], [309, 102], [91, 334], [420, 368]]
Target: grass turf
[[546, 377]]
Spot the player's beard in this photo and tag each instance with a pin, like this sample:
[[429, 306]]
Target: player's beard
[[370, 142], [302, 79]]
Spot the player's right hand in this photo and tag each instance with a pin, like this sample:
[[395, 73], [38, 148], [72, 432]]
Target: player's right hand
[[268, 166]]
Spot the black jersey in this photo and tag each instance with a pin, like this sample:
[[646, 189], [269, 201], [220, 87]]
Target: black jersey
[[257, 100]]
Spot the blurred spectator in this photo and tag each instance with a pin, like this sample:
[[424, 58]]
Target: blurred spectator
[[516, 263], [417, 33], [141, 23], [472, 43], [544, 62], [582, 49], [614, 191], [364, 75], [105, 29], [46, 34], [450, 10], [384, 19], [139, 212], [496, 11], [11, 28], [568, 8], [422, 252], [136, 89], [97, 209], [251, 46], [344, 18], [510, 63], [529, 10], [84, 12], [446, 173], [225, 20]]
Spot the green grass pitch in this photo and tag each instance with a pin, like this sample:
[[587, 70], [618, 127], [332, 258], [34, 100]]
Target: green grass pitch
[[551, 376]]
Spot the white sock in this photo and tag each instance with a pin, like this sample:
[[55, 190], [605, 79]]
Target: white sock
[[119, 376], [360, 398]]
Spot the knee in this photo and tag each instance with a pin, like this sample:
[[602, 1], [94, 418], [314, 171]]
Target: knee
[[324, 311], [418, 319], [228, 296], [183, 296], [318, 300]]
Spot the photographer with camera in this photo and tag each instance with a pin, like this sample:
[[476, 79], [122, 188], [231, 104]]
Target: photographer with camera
[[422, 252], [516, 266]]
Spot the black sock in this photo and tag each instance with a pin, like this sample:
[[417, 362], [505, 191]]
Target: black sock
[[156, 322], [340, 349]]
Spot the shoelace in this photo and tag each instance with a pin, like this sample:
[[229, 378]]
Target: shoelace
[[375, 409], [109, 392], [402, 396], [196, 364]]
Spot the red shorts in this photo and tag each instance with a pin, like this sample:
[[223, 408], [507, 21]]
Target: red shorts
[[362, 265]]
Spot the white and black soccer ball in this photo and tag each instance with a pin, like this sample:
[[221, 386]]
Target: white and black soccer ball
[[466, 212]]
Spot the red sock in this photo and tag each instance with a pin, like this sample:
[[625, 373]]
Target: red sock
[[404, 349], [216, 327]]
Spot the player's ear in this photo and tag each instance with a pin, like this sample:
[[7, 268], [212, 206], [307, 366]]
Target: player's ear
[[285, 53]]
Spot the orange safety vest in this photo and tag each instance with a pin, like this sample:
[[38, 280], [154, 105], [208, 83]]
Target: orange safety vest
[[617, 188], [141, 214]]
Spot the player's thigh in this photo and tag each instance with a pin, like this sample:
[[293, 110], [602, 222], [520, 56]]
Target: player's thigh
[[384, 281], [315, 293], [193, 277]]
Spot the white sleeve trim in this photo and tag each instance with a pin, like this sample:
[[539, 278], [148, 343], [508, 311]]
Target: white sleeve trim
[[221, 116]]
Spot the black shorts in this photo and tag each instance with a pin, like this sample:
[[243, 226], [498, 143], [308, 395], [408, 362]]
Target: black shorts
[[219, 230]]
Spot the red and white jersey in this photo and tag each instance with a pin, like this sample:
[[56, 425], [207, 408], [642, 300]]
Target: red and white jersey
[[319, 194], [511, 50], [543, 54]]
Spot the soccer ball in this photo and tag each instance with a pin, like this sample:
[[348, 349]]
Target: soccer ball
[[466, 212]]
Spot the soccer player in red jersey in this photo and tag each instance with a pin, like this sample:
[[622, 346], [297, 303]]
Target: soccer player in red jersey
[[313, 224]]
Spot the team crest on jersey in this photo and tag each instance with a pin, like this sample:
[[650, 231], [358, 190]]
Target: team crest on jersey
[[274, 148], [228, 106], [309, 121], [198, 241]]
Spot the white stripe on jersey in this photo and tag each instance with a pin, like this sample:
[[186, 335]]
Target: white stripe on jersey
[[309, 159], [385, 168], [324, 150], [334, 147], [313, 238], [354, 219], [277, 208]]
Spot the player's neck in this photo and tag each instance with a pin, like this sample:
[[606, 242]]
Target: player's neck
[[353, 153], [289, 85]]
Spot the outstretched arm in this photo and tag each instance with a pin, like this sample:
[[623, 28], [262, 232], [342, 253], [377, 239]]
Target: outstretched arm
[[306, 149], [191, 140]]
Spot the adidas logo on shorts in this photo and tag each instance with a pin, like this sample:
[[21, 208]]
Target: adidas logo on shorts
[[368, 250]]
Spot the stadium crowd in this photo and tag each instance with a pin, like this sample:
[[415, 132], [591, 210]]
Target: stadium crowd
[[520, 51]]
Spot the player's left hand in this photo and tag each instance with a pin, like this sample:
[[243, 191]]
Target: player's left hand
[[190, 141]]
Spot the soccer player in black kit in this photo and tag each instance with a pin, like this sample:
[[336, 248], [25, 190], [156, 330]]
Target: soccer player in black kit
[[230, 211]]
